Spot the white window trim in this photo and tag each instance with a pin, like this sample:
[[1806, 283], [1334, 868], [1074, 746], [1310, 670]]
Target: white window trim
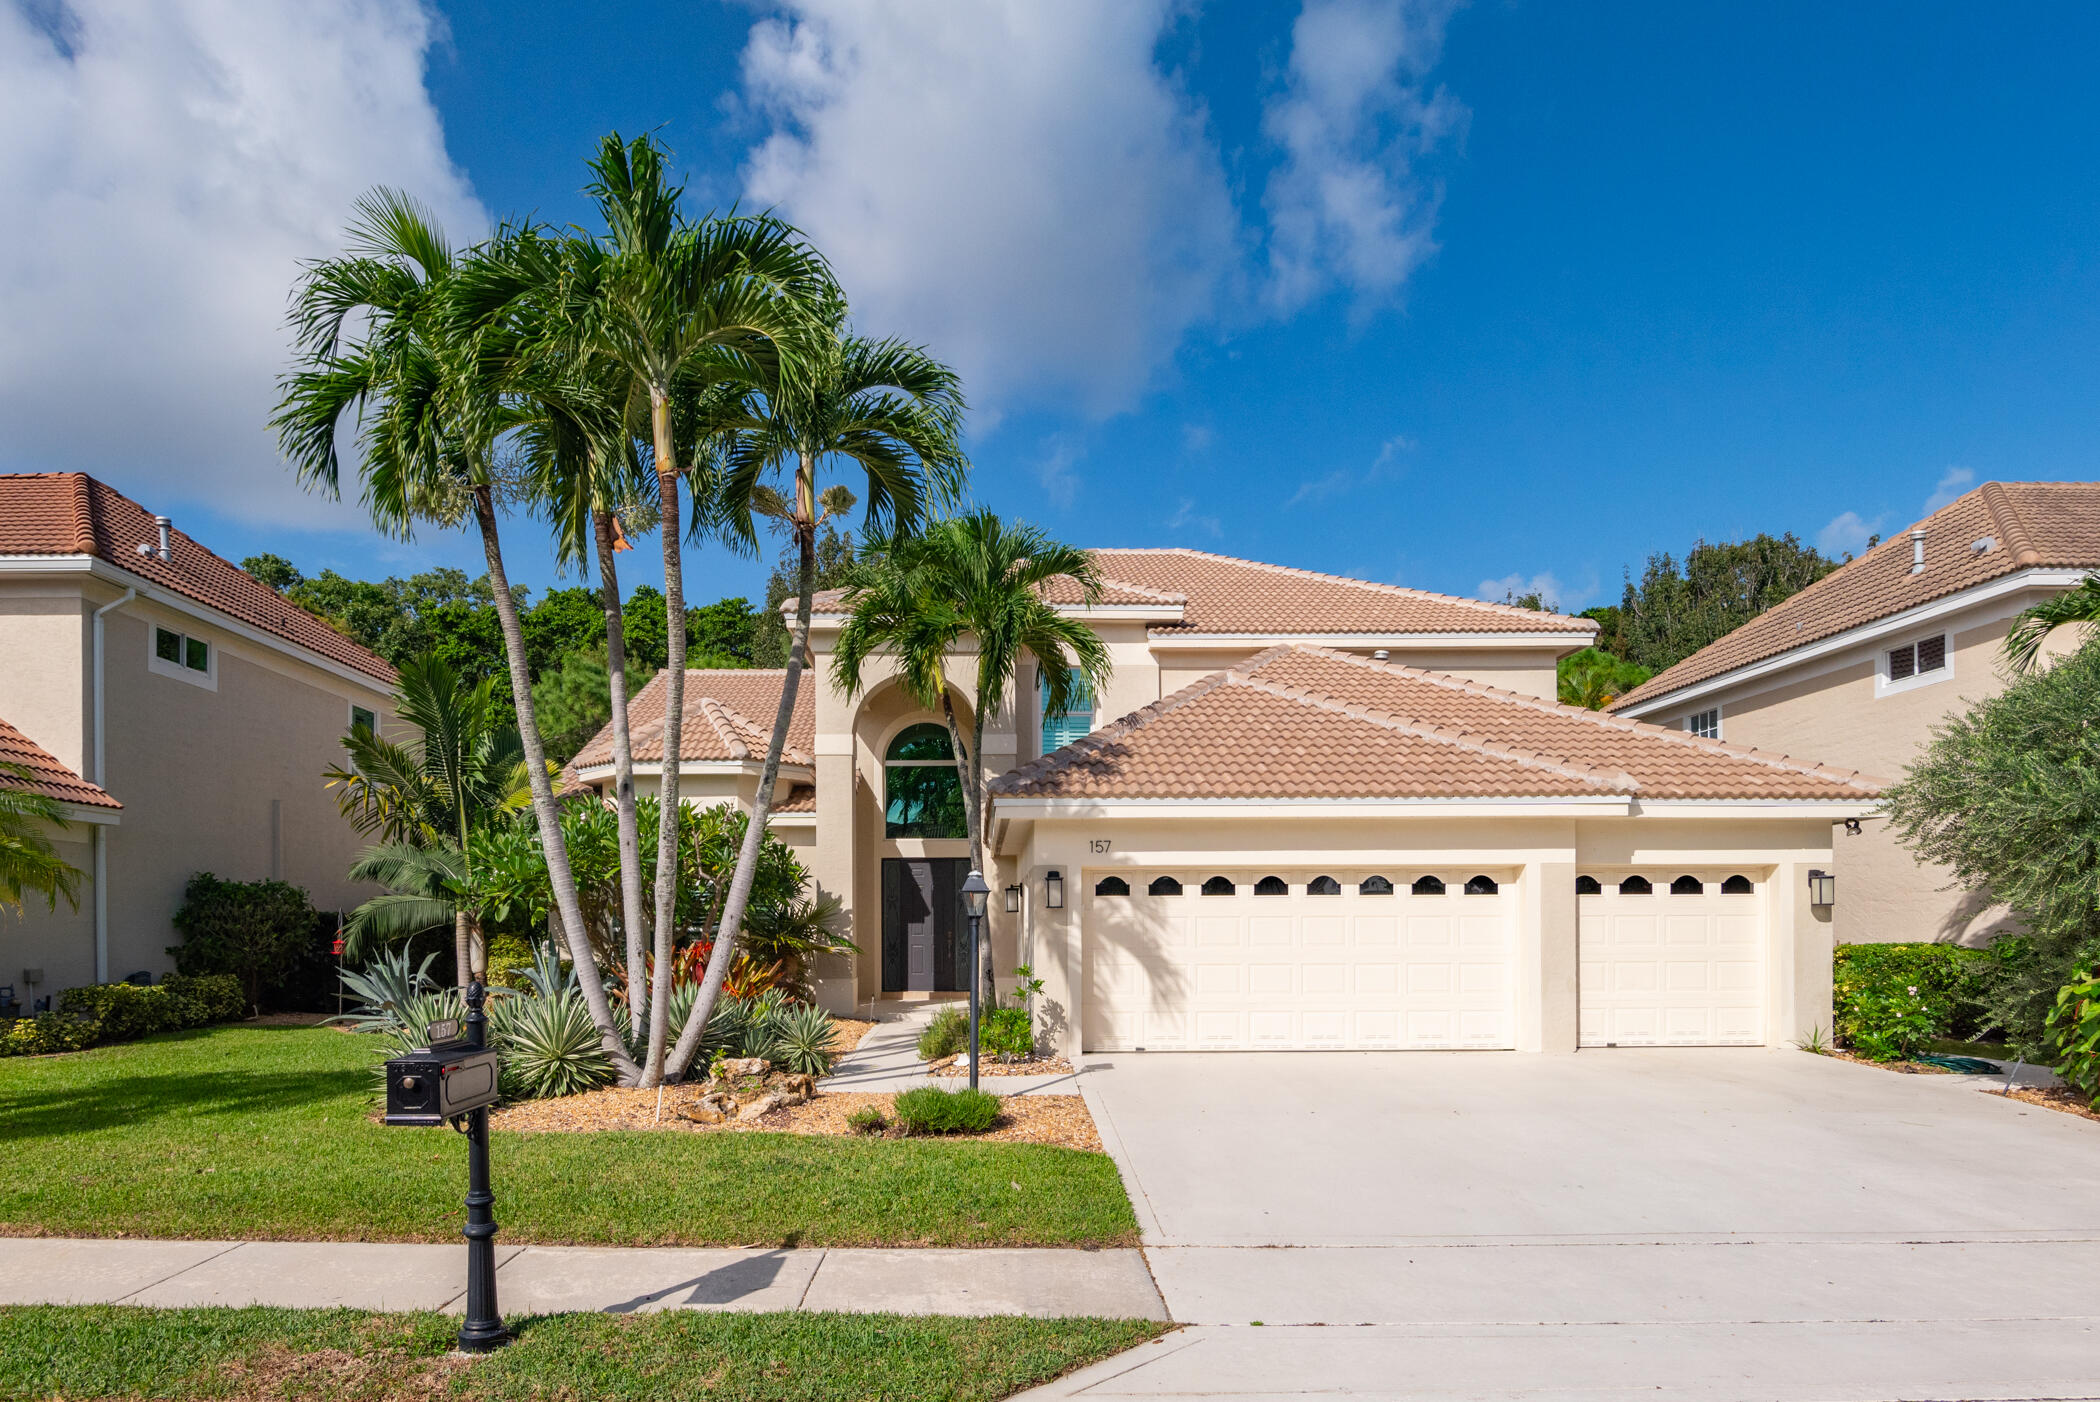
[[208, 679], [1720, 731], [1883, 686]]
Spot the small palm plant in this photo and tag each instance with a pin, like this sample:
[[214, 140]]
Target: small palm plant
[[29, 863], [2032, 626]]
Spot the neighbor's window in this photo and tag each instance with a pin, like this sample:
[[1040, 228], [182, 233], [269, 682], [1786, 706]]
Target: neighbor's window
[[1918, 658], [362, 719], [182, 650], [1705, 724], [925, 792], [1061, 728]]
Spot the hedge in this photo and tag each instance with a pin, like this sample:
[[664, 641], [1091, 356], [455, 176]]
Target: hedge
[[1863, 976], [121, 1012]]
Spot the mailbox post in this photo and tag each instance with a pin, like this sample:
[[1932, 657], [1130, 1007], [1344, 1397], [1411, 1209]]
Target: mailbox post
[[453, 1081]]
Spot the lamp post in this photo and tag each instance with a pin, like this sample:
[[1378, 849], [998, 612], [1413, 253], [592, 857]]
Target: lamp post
[[975, 894], [483, 1330]]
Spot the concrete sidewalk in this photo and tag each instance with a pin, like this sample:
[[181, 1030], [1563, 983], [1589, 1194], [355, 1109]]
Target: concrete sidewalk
[[563, 1279], [887, 1061]]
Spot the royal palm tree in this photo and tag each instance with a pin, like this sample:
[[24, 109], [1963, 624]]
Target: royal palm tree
[[971, 580], [423, 798], [430, 417], [2032, 625], [29, 863], [677, 305]]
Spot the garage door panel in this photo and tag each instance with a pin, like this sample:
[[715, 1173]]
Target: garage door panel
[[1297, 970], [1670, 970]]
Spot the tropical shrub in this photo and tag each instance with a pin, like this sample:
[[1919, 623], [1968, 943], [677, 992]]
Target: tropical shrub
[[2074, 1034], [931, 1110], [383, 987], [948, 1034], [508, 958], [1946, 978], [261, 932], [1895, 1024], [1007, 1033], [44, 1034], [2003, 796], [802, 1040], [867, 1120], [207, 998], [120, 1012]]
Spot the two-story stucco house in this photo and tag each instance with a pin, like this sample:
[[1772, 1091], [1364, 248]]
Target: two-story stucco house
[[198, 701], [1859, 668], [1307, 811]]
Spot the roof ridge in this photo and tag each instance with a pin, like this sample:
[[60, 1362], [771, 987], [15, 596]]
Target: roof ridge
[[83, 514], [1401, 590], [719, 716], [1451, 682], [1619, 780], [2005, 512], [1160, 594]]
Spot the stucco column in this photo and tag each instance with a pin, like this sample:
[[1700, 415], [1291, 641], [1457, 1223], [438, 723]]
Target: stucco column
[[1803, 940], [1054, 936], [1549, 910], [831, 864]]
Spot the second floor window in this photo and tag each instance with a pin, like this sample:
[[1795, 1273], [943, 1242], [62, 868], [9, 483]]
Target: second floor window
[[181, 650], [924, 793], [1061, 728], [1918, 658], [1705, 724]]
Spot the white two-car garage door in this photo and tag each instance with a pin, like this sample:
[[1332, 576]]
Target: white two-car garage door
[[1671, 960], [1245, 960]]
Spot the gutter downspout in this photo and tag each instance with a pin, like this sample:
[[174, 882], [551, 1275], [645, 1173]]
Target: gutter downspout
[[101, 774]]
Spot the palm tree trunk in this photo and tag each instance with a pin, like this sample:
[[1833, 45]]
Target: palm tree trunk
[[973, 788], [733, 908], [478, 949], [632, 919], [674, 724], [462, 950], [556, 851]]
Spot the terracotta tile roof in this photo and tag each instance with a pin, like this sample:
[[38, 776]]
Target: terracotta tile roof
[[70, 513], [1220, 594], [46, 775], [2026, 524], [1307, 722], [728, 716], [802, 798]]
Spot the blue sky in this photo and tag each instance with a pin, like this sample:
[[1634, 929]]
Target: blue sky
[[1457, 299]]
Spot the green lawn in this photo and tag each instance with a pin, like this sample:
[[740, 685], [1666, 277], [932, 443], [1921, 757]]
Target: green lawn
[[114, 1351], [262, 1132]]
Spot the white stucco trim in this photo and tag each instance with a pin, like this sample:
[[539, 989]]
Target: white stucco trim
[[1604, 805], [699, 767], [1873, 632], [1834, 809], [88, 813], [1200, 642], [95, 567]]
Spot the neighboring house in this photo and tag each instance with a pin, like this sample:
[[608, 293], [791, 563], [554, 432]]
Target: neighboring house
[[146, 669], [1333, 814], [1859, 668]]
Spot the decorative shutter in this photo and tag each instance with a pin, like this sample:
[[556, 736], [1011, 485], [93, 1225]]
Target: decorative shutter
[[1061, 728]]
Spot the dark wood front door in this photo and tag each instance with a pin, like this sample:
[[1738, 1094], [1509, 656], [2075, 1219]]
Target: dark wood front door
[[922, 924]]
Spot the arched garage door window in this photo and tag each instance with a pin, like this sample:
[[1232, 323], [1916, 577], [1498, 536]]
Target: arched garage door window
[[925, 792]]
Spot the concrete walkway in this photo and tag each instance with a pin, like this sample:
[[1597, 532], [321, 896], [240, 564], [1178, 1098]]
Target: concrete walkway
[[887, 1061], [560, 1279]]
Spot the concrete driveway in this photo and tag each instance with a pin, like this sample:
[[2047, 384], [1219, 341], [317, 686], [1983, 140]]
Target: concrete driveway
[[1724, 1224]]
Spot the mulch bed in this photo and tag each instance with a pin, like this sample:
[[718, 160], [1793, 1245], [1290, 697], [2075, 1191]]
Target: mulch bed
[[1061, 1120], [851, 1030], [960, 1066], [1907, 1068], [2057, 1098]]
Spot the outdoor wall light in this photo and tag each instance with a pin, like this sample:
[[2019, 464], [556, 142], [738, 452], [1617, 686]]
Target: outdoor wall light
[[1822, 889], [1054, 891], [1013, 900]]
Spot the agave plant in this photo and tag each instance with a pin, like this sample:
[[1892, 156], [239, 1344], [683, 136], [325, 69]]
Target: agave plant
[[551, 1047], [383, 988], [802, 1038]]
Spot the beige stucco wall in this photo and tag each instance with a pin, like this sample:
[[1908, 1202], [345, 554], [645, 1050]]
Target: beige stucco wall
[[224, 777], [59, 942], [1546, 853], [1831, 710]]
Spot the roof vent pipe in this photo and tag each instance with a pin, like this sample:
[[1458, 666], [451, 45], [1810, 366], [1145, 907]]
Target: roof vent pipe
[[1381, 655], [1917, 551], [163, 523]]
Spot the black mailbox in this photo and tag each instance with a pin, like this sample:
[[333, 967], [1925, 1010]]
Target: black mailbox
[[432, 1084]]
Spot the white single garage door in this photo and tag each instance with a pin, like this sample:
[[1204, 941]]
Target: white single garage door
[[1671, 959], [1306, 960]]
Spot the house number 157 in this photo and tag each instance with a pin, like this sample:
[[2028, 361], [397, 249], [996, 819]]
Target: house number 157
[[1098, 844]]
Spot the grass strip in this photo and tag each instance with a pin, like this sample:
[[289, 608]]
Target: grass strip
[[119, 1351], [265, 1133]]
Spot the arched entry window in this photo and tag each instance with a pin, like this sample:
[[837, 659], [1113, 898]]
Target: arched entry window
[[924, 791]]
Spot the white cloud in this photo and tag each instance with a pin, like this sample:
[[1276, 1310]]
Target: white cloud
[[1057, 470], [164, 168], [1847, 534], [1557, 596], [1017, 185], [1186, 518], [1954, 482], [1347, 206], [1384, 468]]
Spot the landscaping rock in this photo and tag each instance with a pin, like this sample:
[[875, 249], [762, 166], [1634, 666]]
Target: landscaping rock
[[763, 1106], [737, 1067]]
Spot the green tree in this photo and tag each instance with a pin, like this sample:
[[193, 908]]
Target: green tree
[[575, 700], [2079, 605], [2005, 795], [892, 416], [29, 862], [769, 647], [255, 931], [1677, 609], [724, 632], [273, 570], [1593, 678], [970, 579]]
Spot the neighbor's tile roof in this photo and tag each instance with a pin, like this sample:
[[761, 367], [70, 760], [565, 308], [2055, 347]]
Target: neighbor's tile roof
[[2027, 524], [728, 715], [1220, 594], [70, 513], [801, 798], [46, 775], [1307, 722]]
